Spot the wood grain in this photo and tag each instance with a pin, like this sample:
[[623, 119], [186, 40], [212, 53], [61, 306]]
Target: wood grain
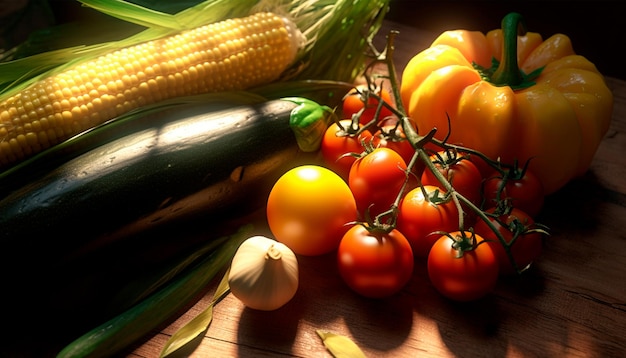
[[572, 303]]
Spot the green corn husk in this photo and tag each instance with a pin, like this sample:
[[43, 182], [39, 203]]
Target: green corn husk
[[337, 35], [113, 336], [322, 91]]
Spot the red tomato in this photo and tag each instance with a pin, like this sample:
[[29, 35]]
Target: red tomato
[[375, 264], [356, 99], [527, 246], [462, 275], [421, 218], [524, 190], [460, 172], [339, 140], [391, 135], [308, 209], [376, 180]]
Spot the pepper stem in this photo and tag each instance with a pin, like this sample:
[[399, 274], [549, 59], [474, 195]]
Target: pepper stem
[[508, 72]]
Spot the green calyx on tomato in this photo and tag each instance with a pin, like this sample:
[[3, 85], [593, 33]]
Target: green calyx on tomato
[[458, 171], [377, 180], [390, 134], [513, 186], [514, 237], [367, 104], [343, 142], [463, 241], [375, 263], [464, 270], [424, 214]]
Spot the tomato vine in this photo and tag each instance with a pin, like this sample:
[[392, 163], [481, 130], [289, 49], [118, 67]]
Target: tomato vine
[[427, 145]]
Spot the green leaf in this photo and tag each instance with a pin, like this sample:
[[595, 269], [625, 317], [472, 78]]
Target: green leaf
[[112, 336], [18, 74], [134, 13], [340, 346], [326, 24], [198, 324]]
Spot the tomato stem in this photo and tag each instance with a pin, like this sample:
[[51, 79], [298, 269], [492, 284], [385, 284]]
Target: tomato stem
[[393, 76], [418, 141], [506, 73]]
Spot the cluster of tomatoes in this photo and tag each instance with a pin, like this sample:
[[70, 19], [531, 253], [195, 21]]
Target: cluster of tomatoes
[[383, 207]]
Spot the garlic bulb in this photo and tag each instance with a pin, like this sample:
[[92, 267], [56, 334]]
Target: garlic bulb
[[263, 273]]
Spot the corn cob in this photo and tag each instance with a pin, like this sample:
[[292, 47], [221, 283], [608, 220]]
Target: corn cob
[[235, 54]]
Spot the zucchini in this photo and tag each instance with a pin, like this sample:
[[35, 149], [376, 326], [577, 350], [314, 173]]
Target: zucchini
[[76, 232], [322, 91], [61, 269], [189, 165], [28, 169]]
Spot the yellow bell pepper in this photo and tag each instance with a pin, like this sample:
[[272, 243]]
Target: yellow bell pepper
[[512, 96]]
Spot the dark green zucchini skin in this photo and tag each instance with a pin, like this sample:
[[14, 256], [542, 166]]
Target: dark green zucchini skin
[[73, 237], [23, 172], [329, 93], [193, 164], [79, 227]]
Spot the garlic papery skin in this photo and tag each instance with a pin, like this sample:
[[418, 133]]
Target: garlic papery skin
[[263, 273]]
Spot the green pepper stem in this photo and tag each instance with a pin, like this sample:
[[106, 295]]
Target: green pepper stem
[[508, 72]]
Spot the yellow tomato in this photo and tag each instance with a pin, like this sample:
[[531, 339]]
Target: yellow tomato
[[308, 209]]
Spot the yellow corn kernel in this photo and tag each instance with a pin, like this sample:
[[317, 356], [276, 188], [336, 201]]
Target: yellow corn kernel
[[234, 54]]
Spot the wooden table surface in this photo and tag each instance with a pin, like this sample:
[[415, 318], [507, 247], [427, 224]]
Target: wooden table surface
[[571, 304]]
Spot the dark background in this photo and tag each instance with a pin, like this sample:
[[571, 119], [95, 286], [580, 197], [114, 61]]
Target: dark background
[[597, 28], [592, 25]]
